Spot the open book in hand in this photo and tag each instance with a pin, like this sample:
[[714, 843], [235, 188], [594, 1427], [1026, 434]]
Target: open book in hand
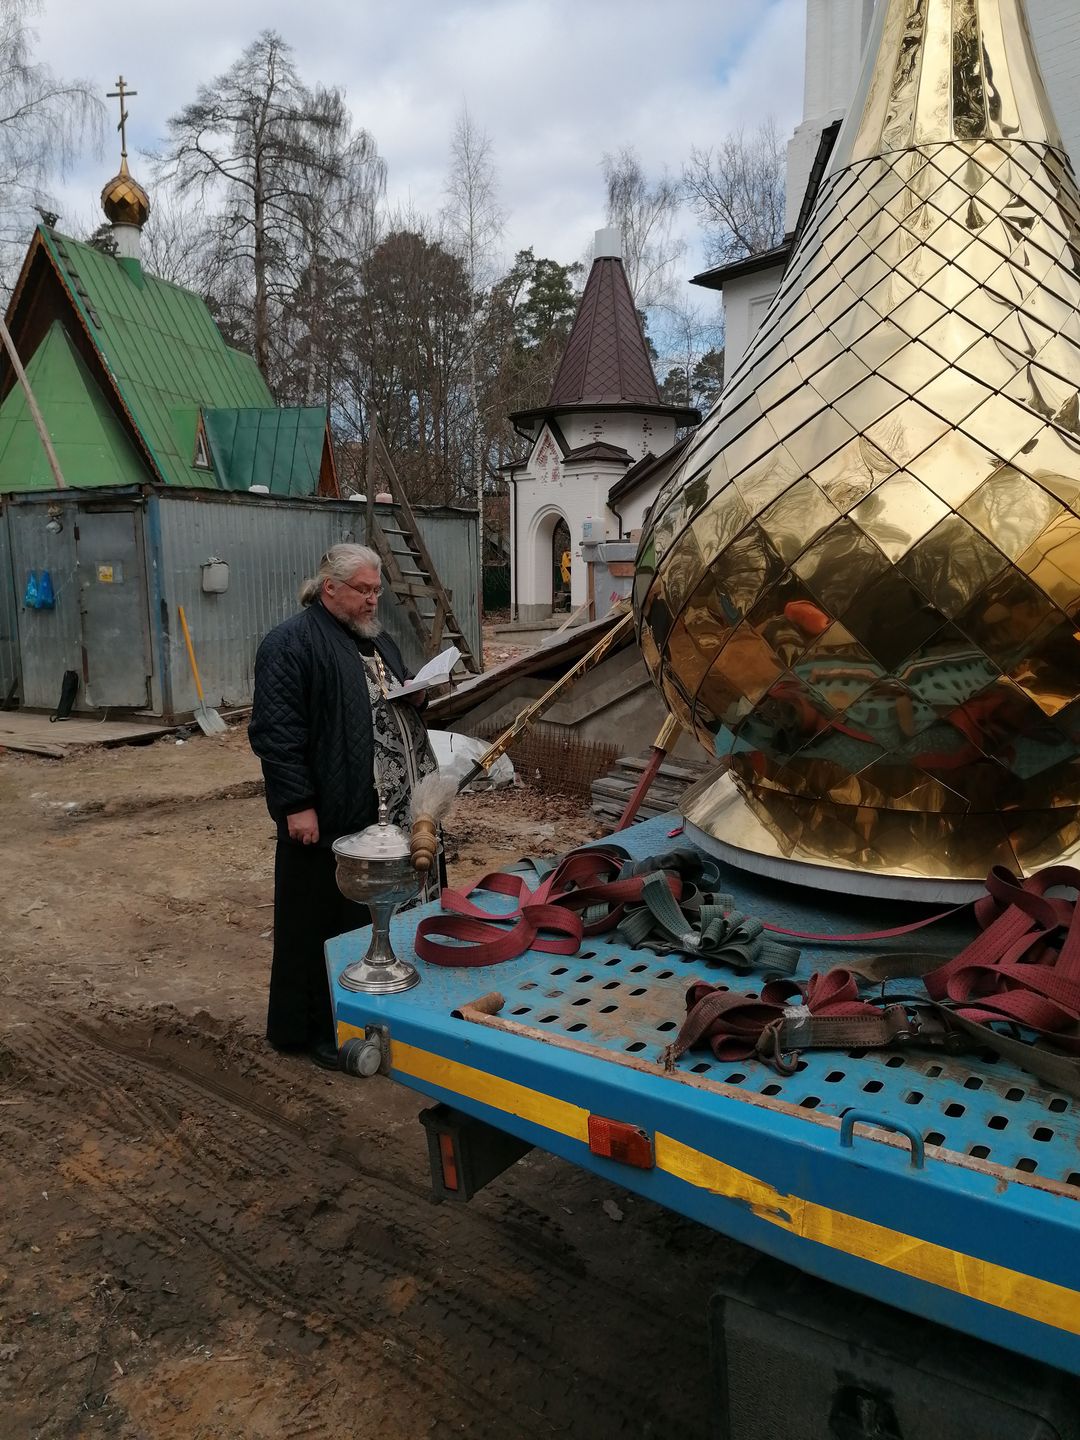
[[435, 672]]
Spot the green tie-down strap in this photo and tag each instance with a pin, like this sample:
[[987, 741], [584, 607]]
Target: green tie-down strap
[[539, 866], [708, 925]]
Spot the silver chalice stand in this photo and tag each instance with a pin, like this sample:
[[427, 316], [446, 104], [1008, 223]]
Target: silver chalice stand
[[374, 868]]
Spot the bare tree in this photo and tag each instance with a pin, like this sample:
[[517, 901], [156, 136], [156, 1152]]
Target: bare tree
[[45, 121], [475, 223], [737, 192], [687, 332], [336, 224], [645, 211], [177, 244], [250, 135]]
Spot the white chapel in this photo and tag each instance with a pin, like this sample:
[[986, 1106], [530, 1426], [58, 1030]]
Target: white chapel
[[594, 452]]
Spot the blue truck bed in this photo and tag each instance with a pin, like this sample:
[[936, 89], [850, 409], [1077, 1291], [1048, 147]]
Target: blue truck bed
[[985, 1237]]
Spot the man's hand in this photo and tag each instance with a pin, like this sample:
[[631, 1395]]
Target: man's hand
[[304, 827], [417, 698]]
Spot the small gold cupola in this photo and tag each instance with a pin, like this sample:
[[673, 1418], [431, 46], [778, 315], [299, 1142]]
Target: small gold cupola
[[124, 200]]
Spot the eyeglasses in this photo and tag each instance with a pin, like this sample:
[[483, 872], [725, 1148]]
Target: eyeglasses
[[367, 591]]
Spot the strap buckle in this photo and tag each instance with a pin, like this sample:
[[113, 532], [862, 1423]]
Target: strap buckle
[[928, 1028], [769, 1048]]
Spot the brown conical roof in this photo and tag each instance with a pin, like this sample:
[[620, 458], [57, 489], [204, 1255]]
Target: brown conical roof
[[606, 362]]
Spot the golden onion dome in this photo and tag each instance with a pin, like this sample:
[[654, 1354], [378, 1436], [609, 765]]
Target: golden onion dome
[[124, 200], [862, 588]]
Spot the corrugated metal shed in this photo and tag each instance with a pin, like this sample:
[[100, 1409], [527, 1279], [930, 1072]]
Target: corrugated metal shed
[[49, 640], [270, 544], [162, 346], [281, 449], [90, 442], [9, 624]]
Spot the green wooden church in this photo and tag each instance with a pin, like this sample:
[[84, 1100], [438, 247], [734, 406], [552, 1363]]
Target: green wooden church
[[135, 381]]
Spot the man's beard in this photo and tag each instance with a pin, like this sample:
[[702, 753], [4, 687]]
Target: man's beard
[[365, 629]]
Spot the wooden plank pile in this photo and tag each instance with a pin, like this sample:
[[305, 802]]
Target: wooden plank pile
[[612, 790]]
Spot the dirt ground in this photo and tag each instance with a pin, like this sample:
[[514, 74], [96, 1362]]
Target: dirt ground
[[499, 648], [201, 1238]]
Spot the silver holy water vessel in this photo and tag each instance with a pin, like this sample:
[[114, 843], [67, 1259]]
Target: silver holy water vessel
[[375, 869]]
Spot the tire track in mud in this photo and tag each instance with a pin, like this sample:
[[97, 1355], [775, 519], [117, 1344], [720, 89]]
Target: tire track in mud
[[239, 1268], [478, 1315]]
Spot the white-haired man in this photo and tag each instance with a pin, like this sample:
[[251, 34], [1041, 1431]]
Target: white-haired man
[[327, 737]]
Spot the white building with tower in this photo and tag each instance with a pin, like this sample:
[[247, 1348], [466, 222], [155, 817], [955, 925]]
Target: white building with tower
[[597, 453], [836, 34]]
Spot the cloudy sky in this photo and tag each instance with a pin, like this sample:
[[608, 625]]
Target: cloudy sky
[[555, 83]]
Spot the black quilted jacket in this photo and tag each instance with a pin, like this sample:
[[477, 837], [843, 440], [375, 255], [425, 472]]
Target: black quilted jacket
[[311, 722]]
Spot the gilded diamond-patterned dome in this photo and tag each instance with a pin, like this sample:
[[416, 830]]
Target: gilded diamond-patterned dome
[[863, 586], [124, 200]]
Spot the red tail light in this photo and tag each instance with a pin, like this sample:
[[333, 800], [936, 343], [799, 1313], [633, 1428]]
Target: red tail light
[[619, 1140], [449, 1161]]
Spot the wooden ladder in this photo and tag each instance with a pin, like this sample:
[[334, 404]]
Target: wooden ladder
[[410, 571]]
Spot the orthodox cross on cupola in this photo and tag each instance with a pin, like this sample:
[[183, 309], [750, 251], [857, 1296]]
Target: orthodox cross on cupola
[[125, 202], [122, 93]]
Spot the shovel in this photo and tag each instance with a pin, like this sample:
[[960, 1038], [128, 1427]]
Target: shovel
[[209, 721]]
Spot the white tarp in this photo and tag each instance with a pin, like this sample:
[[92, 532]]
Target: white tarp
[[457, 754]]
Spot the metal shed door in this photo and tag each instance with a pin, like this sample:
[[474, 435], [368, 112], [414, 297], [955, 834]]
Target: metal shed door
[[112, 606]]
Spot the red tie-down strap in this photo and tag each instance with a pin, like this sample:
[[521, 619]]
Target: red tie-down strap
[[1025, 965], [1023, 968], [549, 919], [739, 1027]]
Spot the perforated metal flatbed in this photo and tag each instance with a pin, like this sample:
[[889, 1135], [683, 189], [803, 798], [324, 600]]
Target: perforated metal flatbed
[[985, 1237]]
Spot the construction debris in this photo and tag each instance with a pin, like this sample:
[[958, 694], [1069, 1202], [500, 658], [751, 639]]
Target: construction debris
[[612, 790], [554, 761]]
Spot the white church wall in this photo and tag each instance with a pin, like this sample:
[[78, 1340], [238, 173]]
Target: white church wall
[[836, 32], [633, 508], [746, 300], [546, 490], [540, 507], [639, 435], [545, 493]]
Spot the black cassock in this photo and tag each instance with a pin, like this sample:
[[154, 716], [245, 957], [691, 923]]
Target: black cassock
[[311, 726], [309, 909]]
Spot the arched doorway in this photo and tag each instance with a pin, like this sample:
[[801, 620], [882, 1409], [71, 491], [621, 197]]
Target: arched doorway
[[540, 589], [560, 566]]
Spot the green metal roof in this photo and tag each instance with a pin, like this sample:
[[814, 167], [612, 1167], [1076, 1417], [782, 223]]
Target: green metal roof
[[278, 448], [90, 442], [162, 347]]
